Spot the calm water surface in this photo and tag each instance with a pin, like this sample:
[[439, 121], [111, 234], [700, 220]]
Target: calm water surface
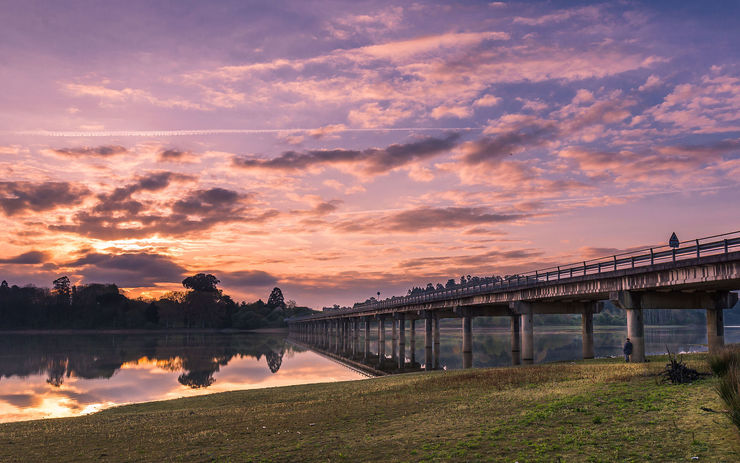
[[57, 375]]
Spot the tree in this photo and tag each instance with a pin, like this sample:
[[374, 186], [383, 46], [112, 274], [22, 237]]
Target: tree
[[62, 289], [450, 283], [276, 298], [152, 314], [202, 282]]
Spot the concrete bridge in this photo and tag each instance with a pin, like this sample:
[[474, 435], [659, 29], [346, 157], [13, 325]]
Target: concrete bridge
[[699, 274]]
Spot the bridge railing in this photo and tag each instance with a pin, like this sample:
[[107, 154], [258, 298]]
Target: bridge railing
[[711, 245]]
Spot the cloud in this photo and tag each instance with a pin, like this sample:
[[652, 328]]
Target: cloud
[[20, 197], [371, 161], [709, 106], [121, 198], [589, 12], [651, 82], [490, 259], [373, 115], [174, 155], [109, 96], [327, 131], [661, 165], [245, 278], [492, 149], [428, 218], [119, 215], [97, 151], [487, 100], [27, 258], [128, 270], [459, 112]]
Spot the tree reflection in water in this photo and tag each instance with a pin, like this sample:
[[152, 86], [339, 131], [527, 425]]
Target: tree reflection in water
[[198, 355]]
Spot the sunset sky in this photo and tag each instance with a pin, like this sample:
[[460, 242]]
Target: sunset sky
[[336, 149]]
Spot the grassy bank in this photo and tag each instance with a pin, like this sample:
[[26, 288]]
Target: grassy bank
[[599, 410]]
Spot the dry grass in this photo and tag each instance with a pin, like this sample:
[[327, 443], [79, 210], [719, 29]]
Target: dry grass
[[591, 411]]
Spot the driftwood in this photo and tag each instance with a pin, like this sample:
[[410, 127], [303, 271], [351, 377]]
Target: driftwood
[[676, 372]]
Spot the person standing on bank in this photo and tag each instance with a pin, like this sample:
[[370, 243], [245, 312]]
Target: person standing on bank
[[627, 349]]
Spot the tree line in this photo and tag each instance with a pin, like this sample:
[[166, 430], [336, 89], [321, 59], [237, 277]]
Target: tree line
[[102, 306]]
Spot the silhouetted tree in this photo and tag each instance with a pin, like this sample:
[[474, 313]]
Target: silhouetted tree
[[196, 379], [63, 291], [276, 299], [201, 282], [152, 314]]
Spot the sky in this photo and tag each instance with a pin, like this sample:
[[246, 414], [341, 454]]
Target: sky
[[337, 149]]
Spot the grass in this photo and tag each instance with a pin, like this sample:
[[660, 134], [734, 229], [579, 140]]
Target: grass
[[591, 411], [726, 365]]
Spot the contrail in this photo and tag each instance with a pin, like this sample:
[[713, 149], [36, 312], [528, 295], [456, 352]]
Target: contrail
[[184, 133]]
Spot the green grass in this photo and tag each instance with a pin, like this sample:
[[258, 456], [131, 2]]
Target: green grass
[[591, 411]]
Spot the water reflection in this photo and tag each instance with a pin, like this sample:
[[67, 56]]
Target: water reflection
[[63, 375], [491, 347]]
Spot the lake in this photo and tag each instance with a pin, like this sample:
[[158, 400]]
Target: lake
[[58, 375]]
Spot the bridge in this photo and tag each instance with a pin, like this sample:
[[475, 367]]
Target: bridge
[[698, 274]]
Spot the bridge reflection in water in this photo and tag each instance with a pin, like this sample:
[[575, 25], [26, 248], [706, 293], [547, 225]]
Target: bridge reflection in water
[[700, 274]]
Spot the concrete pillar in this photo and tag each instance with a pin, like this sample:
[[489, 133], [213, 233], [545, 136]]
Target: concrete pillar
[[394, 339], [516, 340], [337, 338], [467, 342], [436, 340], [528, 337], [347, 327], [401, 341], [381, 339], [340, 335], [367, 337], [715, 329], [356, 343], [587, 333], [428, 360], [636, 333], [412, 335]]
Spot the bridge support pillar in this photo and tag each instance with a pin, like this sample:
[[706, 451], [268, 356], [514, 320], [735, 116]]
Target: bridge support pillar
[[632, 304], [356, 333], [381, 339], [394, 338], [342, 335], [337, 335], [528, 337], [516, 340], [428, 342], [401, 340], [367, 338], [636, 333], [348, 336], [436, 340], [467, 342], [715, 329], [412, 335], [587, 333]]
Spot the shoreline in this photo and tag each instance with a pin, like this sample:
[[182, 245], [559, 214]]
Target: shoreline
[[285, 329], [145, 331]]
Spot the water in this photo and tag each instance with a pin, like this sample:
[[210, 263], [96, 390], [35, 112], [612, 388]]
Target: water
[[57, 375]]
